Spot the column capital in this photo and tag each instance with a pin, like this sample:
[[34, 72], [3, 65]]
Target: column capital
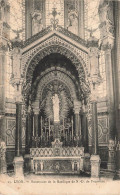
[[93, 96], [29, 109], [36, 111], [107, 44], [77, 106], [84, 108]]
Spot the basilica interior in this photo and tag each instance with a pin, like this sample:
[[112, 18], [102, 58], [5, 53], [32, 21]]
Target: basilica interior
[[59, 87]]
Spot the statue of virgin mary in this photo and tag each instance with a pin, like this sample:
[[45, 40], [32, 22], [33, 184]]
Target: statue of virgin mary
[[55, 100]]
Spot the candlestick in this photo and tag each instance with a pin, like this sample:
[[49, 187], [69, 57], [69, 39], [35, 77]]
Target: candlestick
[[41, 125], [33, 126], [72, 126], [49, 126]]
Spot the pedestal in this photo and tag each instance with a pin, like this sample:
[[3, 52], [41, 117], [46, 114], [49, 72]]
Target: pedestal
[[3, 165], [27, 163], [87, 162], [95, 166], [111, 159], [18, 166]]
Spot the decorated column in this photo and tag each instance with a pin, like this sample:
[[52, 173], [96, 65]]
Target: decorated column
[[18, 132], [95, 80], [17, 83], [4, 32], [28, 137], [84, 128], [29, 129], [85, 140], [77, 120], [107, 43], [36, 126]]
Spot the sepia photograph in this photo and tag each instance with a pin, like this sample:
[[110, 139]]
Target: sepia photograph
[[59, 97]]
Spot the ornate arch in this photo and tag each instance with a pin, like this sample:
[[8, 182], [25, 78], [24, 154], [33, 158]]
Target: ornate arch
[[51, 77], [76, 55], [55, 46]]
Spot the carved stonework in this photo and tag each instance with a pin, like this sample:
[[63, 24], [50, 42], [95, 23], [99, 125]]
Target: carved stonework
[[103, 131], [3, 165], [77, 107], [60, 50], [59, 29], [72, 10], [16, 58], [4, 17], [106, 22], [37, 23], [94, 60], [10, 132], [54, 48], [111, 157], [61, 78]]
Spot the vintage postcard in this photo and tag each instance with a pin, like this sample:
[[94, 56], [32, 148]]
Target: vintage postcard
[[59, 97]]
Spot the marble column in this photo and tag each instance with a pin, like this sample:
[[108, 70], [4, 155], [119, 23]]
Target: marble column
[[107, 43], [18, 159], [85, 140], [36, 126], [95, 158], [84, 128], [77, 120], [28, 139], [95, 80], [29, 129], [18, 132], [94, 128], [16, 81]]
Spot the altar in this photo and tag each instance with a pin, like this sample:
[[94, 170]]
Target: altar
[[57, 159], [55, 143]]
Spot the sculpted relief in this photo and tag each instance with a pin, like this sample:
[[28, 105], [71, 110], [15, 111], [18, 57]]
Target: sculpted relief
[[37, 25], [73, 22]]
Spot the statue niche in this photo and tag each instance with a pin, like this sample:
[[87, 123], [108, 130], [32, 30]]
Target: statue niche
[[37, 24], [73, 22]]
